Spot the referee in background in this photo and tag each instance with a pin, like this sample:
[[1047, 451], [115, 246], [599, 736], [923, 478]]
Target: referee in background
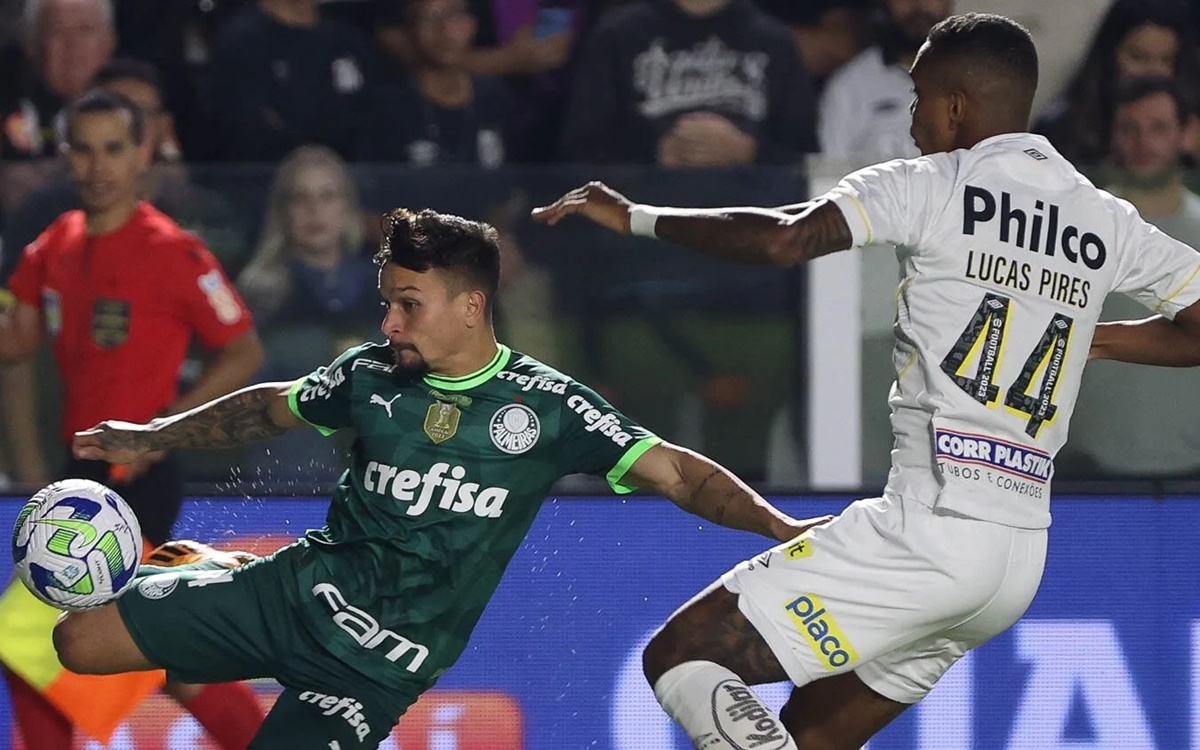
[[121, 291]]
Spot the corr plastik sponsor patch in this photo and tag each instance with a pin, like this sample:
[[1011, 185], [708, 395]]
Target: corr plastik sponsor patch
[[1001, 455]]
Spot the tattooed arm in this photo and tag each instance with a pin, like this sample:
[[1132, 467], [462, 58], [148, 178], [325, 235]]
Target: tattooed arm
[[781, 236], [254, 413], [704, 488]]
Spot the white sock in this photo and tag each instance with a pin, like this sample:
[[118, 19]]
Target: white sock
[[718, 710]]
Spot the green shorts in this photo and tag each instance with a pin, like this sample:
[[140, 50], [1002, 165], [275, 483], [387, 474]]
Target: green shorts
[[224, 626]]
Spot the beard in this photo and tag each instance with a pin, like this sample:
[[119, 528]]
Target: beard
[[408, 367], [1147, 180]]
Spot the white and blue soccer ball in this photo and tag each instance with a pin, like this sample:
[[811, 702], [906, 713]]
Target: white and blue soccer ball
[[77, 545]]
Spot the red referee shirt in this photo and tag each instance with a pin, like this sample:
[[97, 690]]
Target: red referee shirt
[[121, 309]]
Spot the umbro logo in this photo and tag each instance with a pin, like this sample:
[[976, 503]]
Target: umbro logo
[[377, 399]]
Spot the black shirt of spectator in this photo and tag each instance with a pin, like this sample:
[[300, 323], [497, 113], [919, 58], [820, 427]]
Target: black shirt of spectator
[[649, 64], [276, 87], [403, 126]]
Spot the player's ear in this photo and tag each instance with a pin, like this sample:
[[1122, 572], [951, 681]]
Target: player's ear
[[476, 308], [956, 108]]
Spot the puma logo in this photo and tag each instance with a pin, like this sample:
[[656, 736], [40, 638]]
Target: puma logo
[[377, 399]]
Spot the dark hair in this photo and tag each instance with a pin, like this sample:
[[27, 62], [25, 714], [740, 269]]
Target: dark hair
[[1001, 46], [128, 69], [99, 100], [1082, 131], [427, 239], [1142, 87]]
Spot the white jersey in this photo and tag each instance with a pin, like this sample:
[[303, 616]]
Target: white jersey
[[1006, 256]]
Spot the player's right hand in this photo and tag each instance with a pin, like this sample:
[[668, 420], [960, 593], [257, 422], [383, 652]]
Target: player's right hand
[[595, 201], [113, 441]]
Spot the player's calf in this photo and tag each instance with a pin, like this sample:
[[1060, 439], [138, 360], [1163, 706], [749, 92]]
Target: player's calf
[[700, 664], [97, 642], [837, 713]]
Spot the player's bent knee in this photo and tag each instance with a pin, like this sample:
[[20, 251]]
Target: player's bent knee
[[71, 643], [97, 642]]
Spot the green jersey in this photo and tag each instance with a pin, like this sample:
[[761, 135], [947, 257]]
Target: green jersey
[[445, 479]]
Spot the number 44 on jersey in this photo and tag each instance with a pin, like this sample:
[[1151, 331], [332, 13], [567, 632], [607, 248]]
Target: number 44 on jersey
[[982, 344]]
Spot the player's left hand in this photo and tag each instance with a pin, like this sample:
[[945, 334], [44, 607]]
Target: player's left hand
[[595, 201], [794, 527]]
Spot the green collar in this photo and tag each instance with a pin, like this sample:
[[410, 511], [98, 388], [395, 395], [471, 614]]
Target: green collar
[[479, 377]]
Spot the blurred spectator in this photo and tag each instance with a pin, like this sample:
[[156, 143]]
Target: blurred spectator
[[283, 77], [310, 267], [514, 37], [526, 37], [1155, 432], [438, 113], [526, 43], [176, 37], [690, 83], [532, 45], [66, 42], [865, 106], [1154, 126], [140, 83], [314, 290], [829, 32], [1136, 38], [166, 183], [121, 290]]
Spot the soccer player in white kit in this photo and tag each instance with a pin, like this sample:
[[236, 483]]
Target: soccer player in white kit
[[1007, 255]]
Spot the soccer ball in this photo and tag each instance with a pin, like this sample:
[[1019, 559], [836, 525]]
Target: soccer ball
[[77, 545]]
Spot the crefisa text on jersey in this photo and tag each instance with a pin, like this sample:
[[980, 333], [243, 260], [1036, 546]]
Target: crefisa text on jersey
[[534, 382], [1037, 230]]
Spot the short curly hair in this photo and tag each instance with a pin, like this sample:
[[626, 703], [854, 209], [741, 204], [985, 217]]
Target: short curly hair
[[997, 44], [425, 239]]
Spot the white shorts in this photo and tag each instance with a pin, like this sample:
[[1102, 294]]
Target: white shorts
[[889, 590]]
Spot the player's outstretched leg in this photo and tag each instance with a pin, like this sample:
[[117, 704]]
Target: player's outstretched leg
[[701, 664], [98, 642]]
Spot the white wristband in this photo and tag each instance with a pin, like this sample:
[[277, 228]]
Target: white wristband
[[642, 220]]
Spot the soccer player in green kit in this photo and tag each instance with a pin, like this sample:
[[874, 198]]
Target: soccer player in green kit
[[459, 439]]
